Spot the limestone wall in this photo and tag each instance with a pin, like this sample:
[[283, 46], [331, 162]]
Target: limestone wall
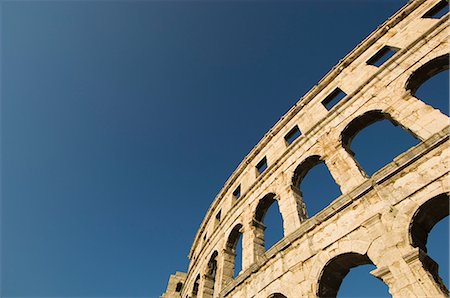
[[371, 222]]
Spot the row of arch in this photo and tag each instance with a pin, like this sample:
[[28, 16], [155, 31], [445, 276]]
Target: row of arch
[[358, 124], [336, 269]]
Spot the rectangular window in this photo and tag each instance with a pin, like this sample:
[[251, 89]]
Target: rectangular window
[[262, 165], [292, 135], [237, 192], [331, 100], [382, 56], [438, 11]]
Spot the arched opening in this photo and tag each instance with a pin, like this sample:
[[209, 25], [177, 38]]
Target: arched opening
[[269, 220], [195, 287], [429, 231], [336, 270], [233, 255], [381, 141], [430, 83], [210, 276], [277, 295], [179, 287], [315, 184]]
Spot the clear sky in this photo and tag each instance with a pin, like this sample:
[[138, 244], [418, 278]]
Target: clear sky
[[121, 121]]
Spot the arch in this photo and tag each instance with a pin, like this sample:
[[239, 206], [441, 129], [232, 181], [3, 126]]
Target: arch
[[429, 83], [426, 71], [304, 167], [332, 188], [361, 122], [335, 271], [210, 276], [229, 254], [269, 201], [426, 217], [233, 238], [276, 295], [263, 205], [365, 120]]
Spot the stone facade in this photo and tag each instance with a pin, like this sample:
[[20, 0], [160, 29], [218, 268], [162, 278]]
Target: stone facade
[[383, 219]]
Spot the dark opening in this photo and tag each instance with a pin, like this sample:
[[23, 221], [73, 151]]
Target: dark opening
[[381, 141], [262, 165], [292, 135], [179, 286], [218, 215], [212, 265], [277, 295], [237, 192], [204, 236], [382, 56], [438, 11], [315, 184], [333, 98], [268, 213]]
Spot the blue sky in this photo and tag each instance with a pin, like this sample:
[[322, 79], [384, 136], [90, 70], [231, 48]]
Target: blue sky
[[121, 120]]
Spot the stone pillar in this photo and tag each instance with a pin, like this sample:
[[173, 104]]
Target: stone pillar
[[227, 267], [344, 169], [292, 208], [258, 241], [247, 246], [208, 286], [253, 243], [425, 273], [414, 276], [407, 275]]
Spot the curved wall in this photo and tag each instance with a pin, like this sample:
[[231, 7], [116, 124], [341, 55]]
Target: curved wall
[[371, 221]]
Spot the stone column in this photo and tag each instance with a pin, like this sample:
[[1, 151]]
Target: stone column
[[425, 273], [343, 168], [253, 243], [208, 286], [227, 267], [414, 276], [258, 241], [292, 208]]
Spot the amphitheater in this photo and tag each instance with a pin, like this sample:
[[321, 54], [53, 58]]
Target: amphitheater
[[383, 219]]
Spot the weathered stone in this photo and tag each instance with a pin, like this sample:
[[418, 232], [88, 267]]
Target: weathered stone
[[381, 220]]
